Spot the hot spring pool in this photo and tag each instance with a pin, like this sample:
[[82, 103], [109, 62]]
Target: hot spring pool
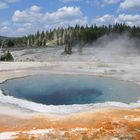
[[70, 89]]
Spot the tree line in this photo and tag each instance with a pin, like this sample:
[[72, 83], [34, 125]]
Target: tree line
[[71, 36]]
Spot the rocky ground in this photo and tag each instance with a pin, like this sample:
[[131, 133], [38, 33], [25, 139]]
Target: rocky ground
[[108, 124], [104, 123]]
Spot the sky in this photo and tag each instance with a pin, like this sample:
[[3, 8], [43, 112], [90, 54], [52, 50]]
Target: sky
[[24, 17]]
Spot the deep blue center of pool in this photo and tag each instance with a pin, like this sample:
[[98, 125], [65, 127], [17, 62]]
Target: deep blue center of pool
[[70, 89]]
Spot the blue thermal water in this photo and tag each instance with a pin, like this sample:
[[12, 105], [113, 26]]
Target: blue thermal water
[[71, 89]]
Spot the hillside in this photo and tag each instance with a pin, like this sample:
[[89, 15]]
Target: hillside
[[2, 37]]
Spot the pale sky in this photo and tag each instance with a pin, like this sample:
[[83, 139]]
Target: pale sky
[[23, 17]]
